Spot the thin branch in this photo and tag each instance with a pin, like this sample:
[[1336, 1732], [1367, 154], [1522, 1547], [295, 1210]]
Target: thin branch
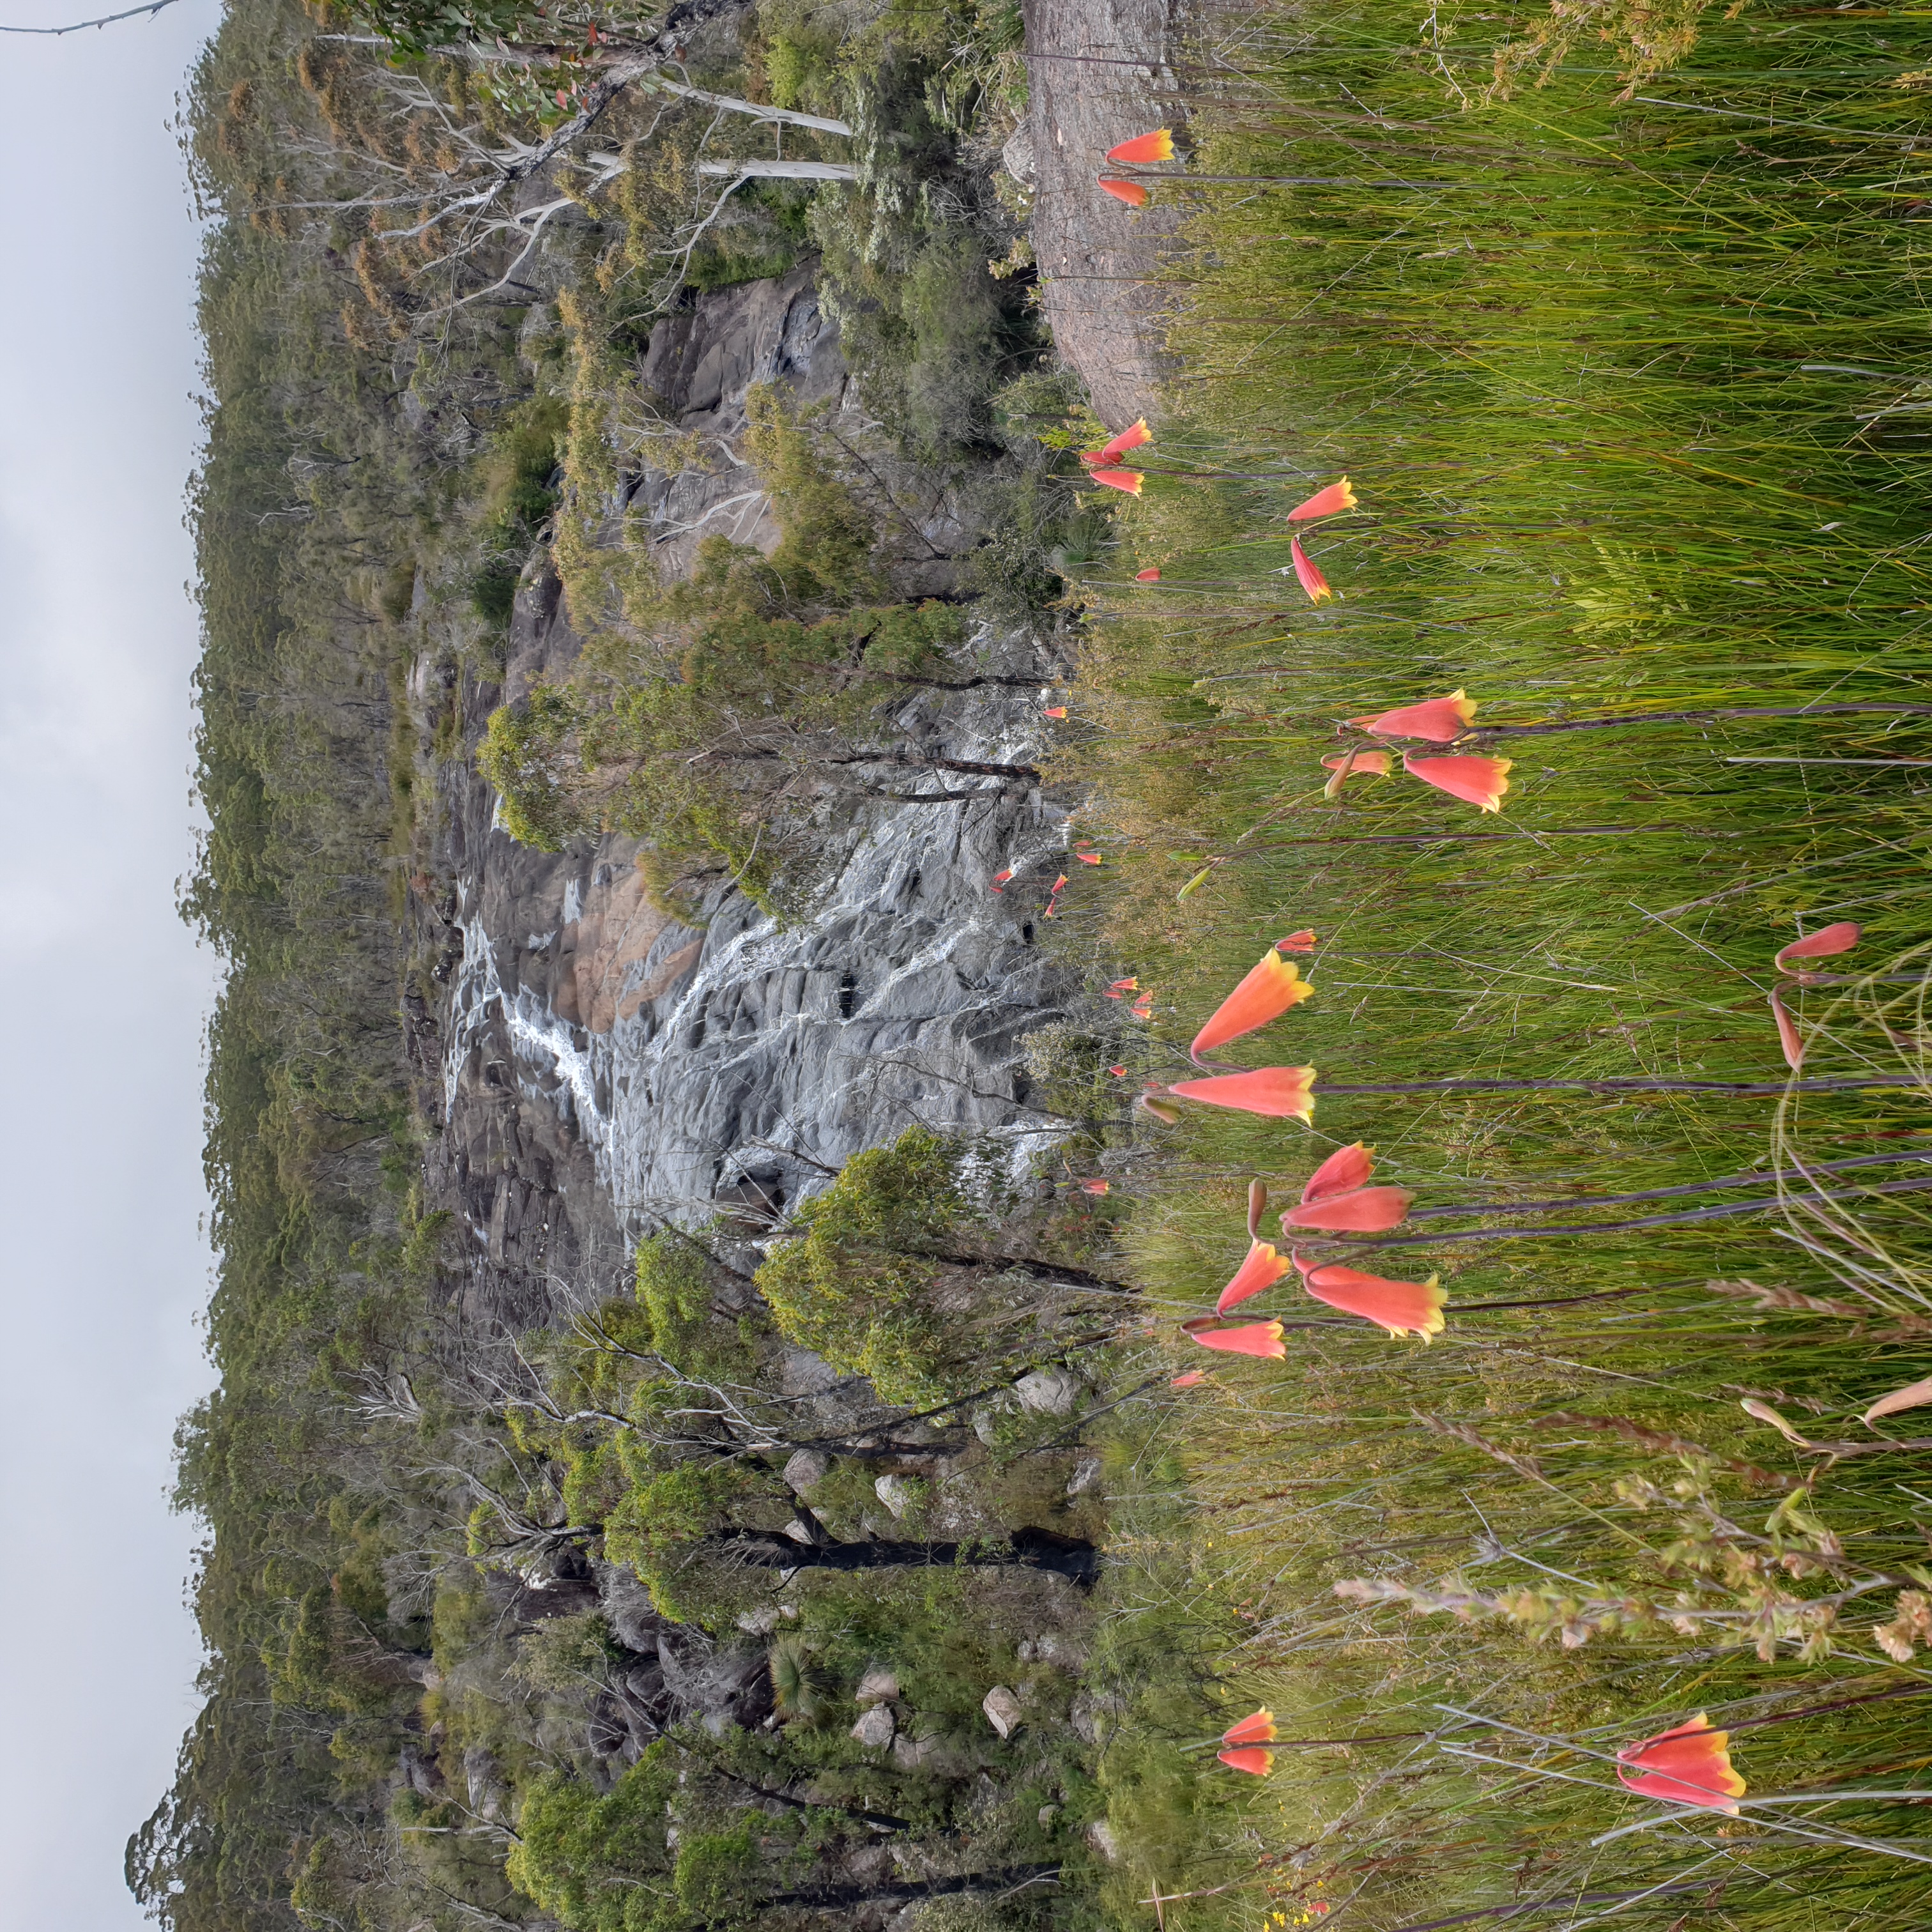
[[106, 20]]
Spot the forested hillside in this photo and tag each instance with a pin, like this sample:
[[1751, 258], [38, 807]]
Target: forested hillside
[[555, 1626]]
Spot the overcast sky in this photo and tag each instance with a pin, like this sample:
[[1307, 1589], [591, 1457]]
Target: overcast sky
[[105, 1269]]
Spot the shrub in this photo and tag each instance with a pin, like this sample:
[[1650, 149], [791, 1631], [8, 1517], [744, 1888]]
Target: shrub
[[856, 1282]]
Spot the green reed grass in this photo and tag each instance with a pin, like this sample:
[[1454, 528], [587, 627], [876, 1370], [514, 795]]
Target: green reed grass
[[1636, 401]]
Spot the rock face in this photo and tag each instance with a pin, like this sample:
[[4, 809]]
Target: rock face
[[1099, 76], [603, 1067]]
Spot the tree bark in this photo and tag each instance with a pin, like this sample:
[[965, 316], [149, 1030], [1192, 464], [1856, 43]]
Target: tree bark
[[1068, 1556]]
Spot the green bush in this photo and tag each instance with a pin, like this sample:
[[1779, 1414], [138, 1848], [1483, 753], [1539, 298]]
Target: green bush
[[587, 1860], [856, 1282]]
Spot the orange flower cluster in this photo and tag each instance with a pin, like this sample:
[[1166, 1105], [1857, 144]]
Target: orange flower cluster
[[1158, 146], [1479, 781]]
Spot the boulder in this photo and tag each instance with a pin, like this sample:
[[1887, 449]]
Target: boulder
[[806, 1470], [483, 1776], [1047, 1391], [1100, 1835], [1086, 1473], [1056, 1648], [1003, 1710], [876, 1727], [895, 1493], [879, 1684]]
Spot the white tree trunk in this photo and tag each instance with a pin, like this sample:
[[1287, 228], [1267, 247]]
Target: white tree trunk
[[816, 171]]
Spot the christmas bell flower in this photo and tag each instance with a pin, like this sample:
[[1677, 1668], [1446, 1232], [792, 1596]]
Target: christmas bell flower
[[1303, 941], [1251, 1338], [1279, 1093], [1093, 1187], [1193, 1379], [1128, 481], [1158, 146], [1689, 1765], [1477, 781], [1824, 943], [1088, 858], [1056, 711], [1329, 503], [1257, 1728], [1131, 193], [1150, 575], [1305, 574], [1345, 1170], [1437, 719], [1342, 766], [1788, 1037], [1402, 1307], [999, 879], [1131, 437], [1257, 1762], [1363, 1210], [1274, 985], [1120, 986], [1262, 1269]]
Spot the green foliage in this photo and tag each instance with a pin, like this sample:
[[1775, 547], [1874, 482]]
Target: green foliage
[[857, 1281], [526, 756], [589, 1861]]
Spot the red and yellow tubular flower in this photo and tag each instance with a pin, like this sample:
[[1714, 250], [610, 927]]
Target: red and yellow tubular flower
[[1280, 1093], [1131, 437], [1128, 481], [1257, 1728], [1823, 944], [1402, 1307], [1303, 941], [1345, 1170], [1342, 765], [1262, 1269], [1257, 1762], [1437, 719], [1363, 1210], [1305, 574], [1131, 193], [1193, 1379], [1689, 1765], [1150, 575], [1476, 781], [1266, 992], [1158, 146], [1788, 1037], [1252, 1338], [1329, 503]]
